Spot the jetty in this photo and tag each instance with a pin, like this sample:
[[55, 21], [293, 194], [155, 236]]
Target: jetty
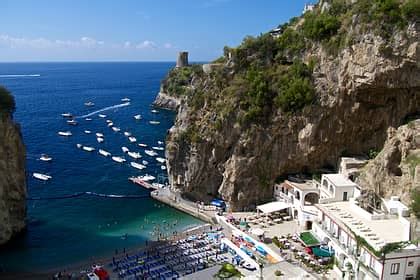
[[143, 183]]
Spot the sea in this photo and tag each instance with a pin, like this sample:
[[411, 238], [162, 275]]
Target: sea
[[67, 231]]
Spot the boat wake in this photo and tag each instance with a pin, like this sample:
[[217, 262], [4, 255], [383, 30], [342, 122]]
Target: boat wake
[[19, 75], [79, 194], [104, 109]]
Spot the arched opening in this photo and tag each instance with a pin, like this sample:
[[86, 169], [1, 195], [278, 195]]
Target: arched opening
[[311, 198]]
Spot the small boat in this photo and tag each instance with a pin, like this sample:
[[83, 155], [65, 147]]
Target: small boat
[[137, 165], [158, 148], [118, 159], [79, 146], [160, 143], [145, 162], [137, 117], [132, 139], [110, 124], [71, 122], [99, 139], [161, 160], [154, 122], [150, 153], [89, 104], [125, 149], [104, 153], [88, 131], [88, 119], [45, 157], [98, 134], [154, 111], [66, 115], [163, 167], [134, 155], [157, 185], [41, 176], [108, 121], [142, 145], [125, 99], [116, 129], [88, 149], [65, 133], [102, 116], [147, 177], [126, 133]]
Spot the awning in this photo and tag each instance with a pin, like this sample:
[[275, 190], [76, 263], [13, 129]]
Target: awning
[[273, 206]]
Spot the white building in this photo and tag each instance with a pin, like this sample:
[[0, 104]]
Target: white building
[[308, 7], [336, 187]]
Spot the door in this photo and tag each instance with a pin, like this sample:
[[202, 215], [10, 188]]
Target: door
[[344, 196]]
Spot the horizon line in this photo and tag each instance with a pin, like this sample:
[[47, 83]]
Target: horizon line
[[99, 61]]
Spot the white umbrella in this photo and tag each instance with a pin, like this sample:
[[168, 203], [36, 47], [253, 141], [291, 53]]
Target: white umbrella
[[257, 231]]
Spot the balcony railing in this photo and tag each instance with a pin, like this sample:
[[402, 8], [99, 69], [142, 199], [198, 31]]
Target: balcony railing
[[283, 196]]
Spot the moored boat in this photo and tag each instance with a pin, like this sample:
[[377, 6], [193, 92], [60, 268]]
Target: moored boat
[[137, 117], [45, 157], [132, 139], [89, 104], [66, 115], [125, 99], [98, 134], [163, 167], [116, 129], [118, 159], [88, 119], [99, 139], [65, 133], [41, 176], [104, 153], [134, 155], [110, 124], [88, 131], [142, 145], [126, 133], [72, 122], [150, 153], [102, 116], [160, 143], [108, 121], [88, 149], [79, 146], [145, 162], [137, 165], [154, 122], [125, 149], [154, 111], [161, 160], [158, 148]]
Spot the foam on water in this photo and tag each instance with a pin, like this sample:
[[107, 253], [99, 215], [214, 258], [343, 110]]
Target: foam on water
[[19, 75], [104, 109]]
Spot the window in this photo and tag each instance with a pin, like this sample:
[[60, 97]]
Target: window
[[297, 195], [325, 183], [395, 268], [410, 263], [331, 189]]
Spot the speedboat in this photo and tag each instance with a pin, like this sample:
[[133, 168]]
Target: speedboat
[[154, 111], [150, 153], [145, 162], [137, 117], [99, 139], [126, 133], [65, 133], [125, 99], [154, 122], [158, 148], [161, 160], [163, 167], [72, 122], [147, 178], [116, 129], [45, 157], [89, 104], [160, 143], [134, 155], [98, 134], [157, 185], [108, 121], [137, 165], [125, 149], [102, 116], [66, 115], [41, 176], [118, 159], [88, 131], [132, 139], [88, 149], [110, 124], [104, 153], [79, 146], [142, 145], [88, 119]]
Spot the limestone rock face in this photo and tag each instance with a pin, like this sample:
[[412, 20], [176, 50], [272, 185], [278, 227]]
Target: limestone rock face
[[396, 169], [12, 179], [164, 100], [362, 94]]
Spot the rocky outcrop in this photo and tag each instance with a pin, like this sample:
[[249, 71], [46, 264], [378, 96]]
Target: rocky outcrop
[[396, 169], [166, 101], [12, 179], [362, 93]]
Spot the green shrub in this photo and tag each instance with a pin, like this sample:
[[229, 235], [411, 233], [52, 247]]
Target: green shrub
[[278, 273], [411, 9], [415, 202], [320, 26], [7, 102]]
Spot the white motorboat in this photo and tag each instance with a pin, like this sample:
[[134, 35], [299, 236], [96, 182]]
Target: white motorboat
[[158, 148], [104, 153], [88, 131], [72, 122], [65, 133], [150, 153], [125, 99], [157, 185], [137, 165], [132, 139], [79, 146], [88, 149], [99, 139], [137, 117], [102, 116], [125, 149], [45, 157], [142, 145], [161, 160], [98, 134], [110, 124], [118, 159], [147, 177], [66, 115], [126, 133], [134, 155], [89, 104], [41, 176], [163, 167], [154, 122], [154, 111], [116, 129], [160, 143], [145, 162], [108, 121], [88, 119]]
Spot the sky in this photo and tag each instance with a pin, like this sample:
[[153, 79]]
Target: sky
[[133, 30]]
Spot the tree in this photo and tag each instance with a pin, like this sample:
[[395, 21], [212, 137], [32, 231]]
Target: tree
[[7, 102], [228, 271], [415, 202]]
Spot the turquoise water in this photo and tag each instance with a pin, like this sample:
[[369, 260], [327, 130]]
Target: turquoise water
[[68, 231]]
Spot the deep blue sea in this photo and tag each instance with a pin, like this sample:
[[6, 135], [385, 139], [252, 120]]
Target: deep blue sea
[[68, 231]]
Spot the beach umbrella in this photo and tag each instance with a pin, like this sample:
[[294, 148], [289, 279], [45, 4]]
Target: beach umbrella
[[257, 231]]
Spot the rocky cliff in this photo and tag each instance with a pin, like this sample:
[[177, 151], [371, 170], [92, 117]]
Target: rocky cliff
[[12, 173], [293, 103]]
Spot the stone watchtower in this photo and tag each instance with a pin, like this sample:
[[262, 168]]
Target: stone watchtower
[[182, 59]]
